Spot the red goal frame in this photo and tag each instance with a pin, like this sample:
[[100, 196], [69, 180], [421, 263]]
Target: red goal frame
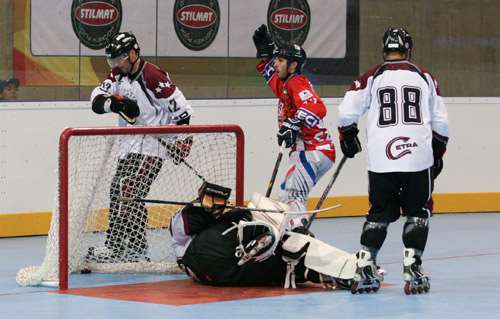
[[63, 170]]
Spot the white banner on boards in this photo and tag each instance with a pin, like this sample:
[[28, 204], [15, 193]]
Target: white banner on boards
[[156, 26]]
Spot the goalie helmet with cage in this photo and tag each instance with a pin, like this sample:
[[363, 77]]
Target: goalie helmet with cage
[[292, 52], [397, 39], [119, 47]]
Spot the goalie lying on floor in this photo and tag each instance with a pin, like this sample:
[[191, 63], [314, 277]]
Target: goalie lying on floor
[[240, 247]]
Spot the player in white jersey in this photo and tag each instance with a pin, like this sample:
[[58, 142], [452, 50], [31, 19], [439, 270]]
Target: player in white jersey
[[143, 95], [407, 133]]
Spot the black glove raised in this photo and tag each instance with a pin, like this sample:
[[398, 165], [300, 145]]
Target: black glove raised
[[127, 108], [263, 43], [289, 131], [349, 142]]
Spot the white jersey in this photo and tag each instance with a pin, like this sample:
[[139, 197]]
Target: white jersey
[[160, 103], [404, 106]]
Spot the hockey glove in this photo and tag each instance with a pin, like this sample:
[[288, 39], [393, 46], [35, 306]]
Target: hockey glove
[[439, 143], [437, 167], [289, 131], [125, 107], [180, 150], [349, 142], [263, 43]]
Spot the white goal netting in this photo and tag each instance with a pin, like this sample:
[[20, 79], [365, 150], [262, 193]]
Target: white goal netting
[[106, 233]]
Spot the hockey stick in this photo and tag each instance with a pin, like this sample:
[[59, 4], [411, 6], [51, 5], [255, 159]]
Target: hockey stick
[[171, 149], [159, 201], [275, 170], [327, 190]]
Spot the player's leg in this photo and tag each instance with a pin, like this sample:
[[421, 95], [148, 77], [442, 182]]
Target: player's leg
[[305, 169], [148, 168], [384, 209], [416, 197], [115, 234]]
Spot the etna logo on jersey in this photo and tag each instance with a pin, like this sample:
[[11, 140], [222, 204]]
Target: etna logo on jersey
[[196, 22], [399, 147], [289, 21], [95, 22]]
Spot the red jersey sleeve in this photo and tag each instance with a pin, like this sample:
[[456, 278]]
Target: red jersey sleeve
[[266, 68]]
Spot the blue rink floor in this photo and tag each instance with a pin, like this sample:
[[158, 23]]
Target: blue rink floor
[[462, 257]]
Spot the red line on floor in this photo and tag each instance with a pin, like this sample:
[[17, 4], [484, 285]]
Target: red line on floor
[[183, 292]]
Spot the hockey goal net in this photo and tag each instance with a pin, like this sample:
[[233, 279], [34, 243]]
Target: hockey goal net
[[93, 227]]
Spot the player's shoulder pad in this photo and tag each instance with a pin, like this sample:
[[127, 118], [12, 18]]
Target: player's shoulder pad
[[158, 81], [434, 81], [362, 81]]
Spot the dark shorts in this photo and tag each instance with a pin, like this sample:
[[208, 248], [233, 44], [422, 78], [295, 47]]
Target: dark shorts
[[396, 193]]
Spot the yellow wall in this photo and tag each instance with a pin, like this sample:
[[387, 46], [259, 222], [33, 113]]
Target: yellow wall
[[37, 223]]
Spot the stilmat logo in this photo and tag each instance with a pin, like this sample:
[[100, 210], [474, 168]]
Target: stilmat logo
[[399, 147], [289, 21], [196, 16], [196, 22], [95, 22]]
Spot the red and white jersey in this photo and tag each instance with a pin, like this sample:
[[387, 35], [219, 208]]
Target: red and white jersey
[[160, 103], [297, 98], [404, 106]]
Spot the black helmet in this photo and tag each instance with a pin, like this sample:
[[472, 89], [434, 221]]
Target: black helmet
[[292, 52], [121, 43], [397, 39]]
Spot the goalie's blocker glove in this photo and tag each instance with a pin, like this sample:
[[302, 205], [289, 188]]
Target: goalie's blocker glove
[[349, 142], [213, 198], [263, 43], [289, 131]]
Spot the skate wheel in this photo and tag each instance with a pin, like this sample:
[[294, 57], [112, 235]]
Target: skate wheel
[[407, 288], [375, 289], [426, 289], [368, 290], [413, 291], [85, 271], [420, 290], [354, 288]]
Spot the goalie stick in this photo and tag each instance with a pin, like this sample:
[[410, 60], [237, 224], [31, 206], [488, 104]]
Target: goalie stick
[[275, 170], [171, 149], [326, 191], [159, 201]]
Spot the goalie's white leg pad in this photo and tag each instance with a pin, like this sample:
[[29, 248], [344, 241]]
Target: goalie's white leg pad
[[321, 257], [261, 201]]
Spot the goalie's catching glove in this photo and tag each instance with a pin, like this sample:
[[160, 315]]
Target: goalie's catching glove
[[349, 142], [289, 131], [263, 43]]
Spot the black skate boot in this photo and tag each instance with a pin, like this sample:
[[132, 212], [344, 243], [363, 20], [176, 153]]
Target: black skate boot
[[415, 279], [367, 277]]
